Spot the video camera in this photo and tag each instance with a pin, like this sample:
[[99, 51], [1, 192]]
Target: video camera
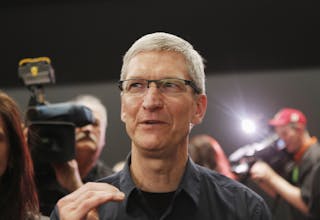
[[51, 127], [270, 149]]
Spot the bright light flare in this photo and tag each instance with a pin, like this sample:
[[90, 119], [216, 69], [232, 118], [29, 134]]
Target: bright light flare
[[248, 126]]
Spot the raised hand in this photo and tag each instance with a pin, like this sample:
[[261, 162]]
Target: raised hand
[[81, 204]]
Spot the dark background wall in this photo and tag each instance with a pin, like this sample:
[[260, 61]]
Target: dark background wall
[[86, 39], [260, 56]]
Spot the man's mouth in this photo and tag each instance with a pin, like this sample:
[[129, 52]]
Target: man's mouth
[[152, 122]]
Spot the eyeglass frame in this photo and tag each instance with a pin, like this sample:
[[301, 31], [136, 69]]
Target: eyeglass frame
[[156, 81]]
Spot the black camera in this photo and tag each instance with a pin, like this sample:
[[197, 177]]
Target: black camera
[[51, 127], [270, 149], [51, 134]]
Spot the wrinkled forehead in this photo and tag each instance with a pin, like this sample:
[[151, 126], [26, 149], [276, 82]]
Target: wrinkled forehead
[[171, 56], [281, 129], [170, 64], [98, 111]]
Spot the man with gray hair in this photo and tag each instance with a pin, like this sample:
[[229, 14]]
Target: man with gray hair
[[90, 140], [86, 167], [162, 97]]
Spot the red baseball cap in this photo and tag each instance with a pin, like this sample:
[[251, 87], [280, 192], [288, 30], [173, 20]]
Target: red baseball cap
[[288, 115]]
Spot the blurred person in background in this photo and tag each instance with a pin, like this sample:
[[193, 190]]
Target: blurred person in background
[[206, 151], [86, 167], [18, 195], [91, 139], [290, 125]]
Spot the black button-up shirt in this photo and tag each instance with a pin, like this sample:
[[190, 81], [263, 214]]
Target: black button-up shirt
[[201, 195]]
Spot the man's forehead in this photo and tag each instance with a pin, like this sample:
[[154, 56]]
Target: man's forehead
[[283, 128], [158, 54], [176, 66], [97, 109]]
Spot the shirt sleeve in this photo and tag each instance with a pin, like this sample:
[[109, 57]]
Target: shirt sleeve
[[306, 187], [54, 214], [262, 212]]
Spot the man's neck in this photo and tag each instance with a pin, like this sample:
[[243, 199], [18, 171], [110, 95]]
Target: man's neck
[[307, 142], [84, 169], [160, 174]]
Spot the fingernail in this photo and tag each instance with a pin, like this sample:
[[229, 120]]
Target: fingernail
[[120, 195]]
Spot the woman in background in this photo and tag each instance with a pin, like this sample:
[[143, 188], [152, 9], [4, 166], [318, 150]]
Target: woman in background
[[18, 196], [206, 151]]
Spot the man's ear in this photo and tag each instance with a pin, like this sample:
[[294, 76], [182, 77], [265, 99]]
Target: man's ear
[[122, 113], [201, 107], [123, 116]]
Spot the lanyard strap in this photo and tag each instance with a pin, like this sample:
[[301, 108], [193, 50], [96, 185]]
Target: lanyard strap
[[295, 174]]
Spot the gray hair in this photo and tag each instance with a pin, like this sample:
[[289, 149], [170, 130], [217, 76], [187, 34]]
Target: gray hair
[[93, 103], [168, 42]]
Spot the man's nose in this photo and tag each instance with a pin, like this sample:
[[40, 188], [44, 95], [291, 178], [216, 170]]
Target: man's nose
[[86, 128], [152, 98]]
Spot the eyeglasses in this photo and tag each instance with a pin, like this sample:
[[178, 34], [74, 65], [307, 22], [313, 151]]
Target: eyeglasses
[[168, 86]]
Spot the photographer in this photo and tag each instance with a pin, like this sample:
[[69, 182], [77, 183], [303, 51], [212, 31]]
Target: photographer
[[290, 125], [86, 167], [65, 139]]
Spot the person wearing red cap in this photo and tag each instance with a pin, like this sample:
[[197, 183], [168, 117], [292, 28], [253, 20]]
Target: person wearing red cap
[[290, 125]]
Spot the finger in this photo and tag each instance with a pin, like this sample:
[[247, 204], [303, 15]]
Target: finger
[[79, 208], [95, 195], [96, 191], [91, 186]]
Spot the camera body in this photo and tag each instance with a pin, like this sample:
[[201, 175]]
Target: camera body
[[270, 150], [51, 133]]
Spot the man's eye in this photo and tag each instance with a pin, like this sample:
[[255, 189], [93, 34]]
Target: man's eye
[[170, 85], [96, 123], [136, 85]]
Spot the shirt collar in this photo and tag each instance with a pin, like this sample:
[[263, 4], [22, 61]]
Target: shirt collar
[[190, 182], [127, 185]]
